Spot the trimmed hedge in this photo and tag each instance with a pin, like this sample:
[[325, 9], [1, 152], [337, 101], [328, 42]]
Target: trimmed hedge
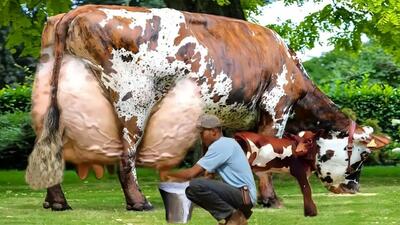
[[373, 104], [370, 101]]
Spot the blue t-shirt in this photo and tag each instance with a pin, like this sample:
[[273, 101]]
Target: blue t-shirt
[[226, 157]]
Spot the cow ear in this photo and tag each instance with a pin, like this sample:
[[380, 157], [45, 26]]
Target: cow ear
[[293, 137], [378, 141]]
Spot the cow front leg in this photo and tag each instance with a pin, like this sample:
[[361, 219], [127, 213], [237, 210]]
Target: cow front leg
[[299, 171], [55, 199], [267, 197]]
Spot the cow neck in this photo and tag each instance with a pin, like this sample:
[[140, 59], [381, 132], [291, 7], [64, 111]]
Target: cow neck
[[291, 139], [350, 144], [315, 111]]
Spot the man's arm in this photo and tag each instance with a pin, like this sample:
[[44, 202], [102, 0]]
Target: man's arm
[[183, 175]]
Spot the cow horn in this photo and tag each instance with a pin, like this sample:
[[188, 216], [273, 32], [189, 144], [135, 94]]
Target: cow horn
[[372, 144]]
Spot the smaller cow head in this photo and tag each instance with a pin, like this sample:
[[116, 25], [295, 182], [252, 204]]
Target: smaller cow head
[[333, 167], [305, 143]]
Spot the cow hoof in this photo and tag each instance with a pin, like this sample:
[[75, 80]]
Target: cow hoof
[[271, 203], [60, 207], [147, 206], [310, 214], [56, 206], [310, 211], [46, 205]]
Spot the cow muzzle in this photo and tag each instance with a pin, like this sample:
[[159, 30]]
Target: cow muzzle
[[349, 188]]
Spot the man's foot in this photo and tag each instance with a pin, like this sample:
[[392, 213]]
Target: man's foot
[[237, 218]]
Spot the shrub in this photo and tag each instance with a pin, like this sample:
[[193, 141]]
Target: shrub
[[350, 113], [16, 139], [375, 105], [369, 101], [15, 98]]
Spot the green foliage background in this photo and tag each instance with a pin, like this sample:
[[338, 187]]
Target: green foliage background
[[374, 105], [26, 19], [16, 139], [15, 98], [369, 62], [16, 133], [347, 20], [360, 78], [364, 83]]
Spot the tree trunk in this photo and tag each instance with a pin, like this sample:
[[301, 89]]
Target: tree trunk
[[233, 10]]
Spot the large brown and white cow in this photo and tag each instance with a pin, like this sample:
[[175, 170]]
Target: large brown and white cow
[[130, 83]]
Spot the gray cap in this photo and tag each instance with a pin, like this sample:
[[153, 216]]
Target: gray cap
[[209, 121]]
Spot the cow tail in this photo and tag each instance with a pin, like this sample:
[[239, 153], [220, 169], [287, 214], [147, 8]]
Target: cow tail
[[46, 163]]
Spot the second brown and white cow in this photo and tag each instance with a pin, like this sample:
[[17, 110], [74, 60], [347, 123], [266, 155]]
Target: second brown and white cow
[[297, 153]]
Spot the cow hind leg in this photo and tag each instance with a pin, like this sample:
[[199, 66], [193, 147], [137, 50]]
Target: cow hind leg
[[267, 197], [135, 200], [55, 199], [276, 105]]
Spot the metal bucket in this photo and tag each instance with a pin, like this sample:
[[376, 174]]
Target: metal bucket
[[178, 208]]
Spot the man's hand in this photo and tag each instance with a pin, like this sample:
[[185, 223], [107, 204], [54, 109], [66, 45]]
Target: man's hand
[[181, 176], [164, 174], [209, 175]]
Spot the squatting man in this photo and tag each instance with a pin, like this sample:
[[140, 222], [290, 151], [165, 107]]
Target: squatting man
[[228, 201]]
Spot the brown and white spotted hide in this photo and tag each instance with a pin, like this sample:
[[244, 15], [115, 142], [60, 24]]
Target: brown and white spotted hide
[[263, 150], [266, 153]]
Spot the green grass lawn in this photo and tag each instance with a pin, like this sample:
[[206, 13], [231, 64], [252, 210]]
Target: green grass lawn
[[101, 202]]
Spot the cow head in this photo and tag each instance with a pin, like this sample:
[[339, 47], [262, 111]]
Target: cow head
[[333, 166], [306, 143]]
